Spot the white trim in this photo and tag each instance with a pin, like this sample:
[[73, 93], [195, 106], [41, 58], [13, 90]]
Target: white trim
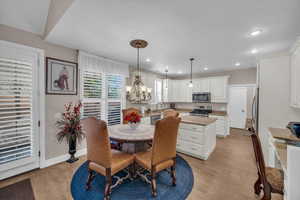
[[62, 158], [42, 110], [243, 85]]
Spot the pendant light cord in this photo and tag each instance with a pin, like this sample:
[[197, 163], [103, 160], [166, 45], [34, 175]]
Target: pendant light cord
[[191, 76], [138, 62]]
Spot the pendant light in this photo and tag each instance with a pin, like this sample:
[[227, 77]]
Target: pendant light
[[138, 92], [166, 80], [191, 75]]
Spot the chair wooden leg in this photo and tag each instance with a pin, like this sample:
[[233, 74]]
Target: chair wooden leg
[[153, 182], [108, 180], [257, 187], [90, 179], [267, 192], [173, 175]]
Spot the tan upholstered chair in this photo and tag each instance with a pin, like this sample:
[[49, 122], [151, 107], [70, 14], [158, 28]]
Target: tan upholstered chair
[[163, 153], [170, 113], [270, 180], [101, 158], [128, 111]]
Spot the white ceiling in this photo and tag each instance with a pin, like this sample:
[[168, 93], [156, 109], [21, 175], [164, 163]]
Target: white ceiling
[[28, 15], [215, 32]]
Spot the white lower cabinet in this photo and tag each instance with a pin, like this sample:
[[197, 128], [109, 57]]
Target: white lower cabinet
[[222, 125], [196, 140]]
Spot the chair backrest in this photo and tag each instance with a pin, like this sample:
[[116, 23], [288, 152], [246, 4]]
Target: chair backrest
[[165, 139], [98, 144], [128, 111], [170, 113], [259, 157]]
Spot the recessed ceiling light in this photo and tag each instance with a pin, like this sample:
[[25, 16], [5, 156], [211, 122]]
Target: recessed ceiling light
[[148, 60], [205, 68], [237, 64], [254, 51], [256, 32]]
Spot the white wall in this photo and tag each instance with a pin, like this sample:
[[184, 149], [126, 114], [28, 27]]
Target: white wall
[[250, 96], [274, 101]]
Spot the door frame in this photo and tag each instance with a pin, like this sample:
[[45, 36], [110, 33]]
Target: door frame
[[40, 143], [237, 85]]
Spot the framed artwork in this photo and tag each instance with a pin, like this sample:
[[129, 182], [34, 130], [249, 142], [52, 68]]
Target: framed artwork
[[61, 77]]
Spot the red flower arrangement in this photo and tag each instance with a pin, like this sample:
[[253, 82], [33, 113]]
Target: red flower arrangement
[[69, 125], [132, 117]]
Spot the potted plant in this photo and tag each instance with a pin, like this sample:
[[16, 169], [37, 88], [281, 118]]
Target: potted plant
[[70, 128], [133, 119]]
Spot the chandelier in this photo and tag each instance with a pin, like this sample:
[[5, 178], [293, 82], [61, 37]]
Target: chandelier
[[138, 93]]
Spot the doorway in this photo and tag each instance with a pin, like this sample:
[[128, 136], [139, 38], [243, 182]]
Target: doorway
[[239, 107], [20, 103]]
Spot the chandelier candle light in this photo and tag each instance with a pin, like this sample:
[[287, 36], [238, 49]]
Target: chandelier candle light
[[138, 93]]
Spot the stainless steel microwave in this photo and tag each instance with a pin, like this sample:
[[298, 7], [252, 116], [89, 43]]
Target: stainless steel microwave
[[201, 97]]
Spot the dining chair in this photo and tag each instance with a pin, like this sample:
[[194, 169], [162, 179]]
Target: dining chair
[[270, 180], [101, 159], [128, 111], [170, 112], [163, 152]]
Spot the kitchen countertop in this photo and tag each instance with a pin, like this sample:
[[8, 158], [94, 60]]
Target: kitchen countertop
[[182, 110], [158, 112], [219, 113], [283, 134], [202, 121]]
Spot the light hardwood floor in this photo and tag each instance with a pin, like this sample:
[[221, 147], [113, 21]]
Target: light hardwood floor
[[228, 174]]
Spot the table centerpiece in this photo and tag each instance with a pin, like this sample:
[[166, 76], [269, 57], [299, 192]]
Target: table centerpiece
[[133, 120]]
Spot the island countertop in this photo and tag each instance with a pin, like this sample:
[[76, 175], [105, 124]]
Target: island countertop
[[283, 134], [202, 121]]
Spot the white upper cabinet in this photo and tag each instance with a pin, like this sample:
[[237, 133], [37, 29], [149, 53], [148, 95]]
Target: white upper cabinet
[[219, 89], [201, 85], [295, 81], [179, 91]]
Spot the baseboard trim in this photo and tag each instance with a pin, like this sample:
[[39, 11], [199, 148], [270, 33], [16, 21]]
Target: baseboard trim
[[60, 159]]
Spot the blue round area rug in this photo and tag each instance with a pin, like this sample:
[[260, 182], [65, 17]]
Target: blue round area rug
[[136, 189]]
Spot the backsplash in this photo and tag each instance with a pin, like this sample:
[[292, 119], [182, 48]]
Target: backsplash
[[215, 106]]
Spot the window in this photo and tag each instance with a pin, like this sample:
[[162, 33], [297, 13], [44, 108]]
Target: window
[[158, 90], [16, 127], [114, 98], [92, 90], [97, 103]]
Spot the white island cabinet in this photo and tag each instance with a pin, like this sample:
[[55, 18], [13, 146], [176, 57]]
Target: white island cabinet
[[197, 136]]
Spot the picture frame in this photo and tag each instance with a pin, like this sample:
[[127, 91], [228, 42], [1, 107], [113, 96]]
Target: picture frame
[[61, 77]]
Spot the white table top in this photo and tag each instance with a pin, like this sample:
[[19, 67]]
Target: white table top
[[123, 132]]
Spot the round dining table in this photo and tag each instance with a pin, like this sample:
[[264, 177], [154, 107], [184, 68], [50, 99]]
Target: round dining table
[[133, 140]]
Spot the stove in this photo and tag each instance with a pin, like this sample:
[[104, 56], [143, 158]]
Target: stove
[[202, 111]]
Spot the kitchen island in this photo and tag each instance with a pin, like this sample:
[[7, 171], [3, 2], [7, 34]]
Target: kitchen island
[[197, 136]]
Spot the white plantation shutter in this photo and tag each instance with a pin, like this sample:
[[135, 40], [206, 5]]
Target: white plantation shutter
[[114, 86], [114, 113], [92, 93], [114, 98], [16, 128]]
